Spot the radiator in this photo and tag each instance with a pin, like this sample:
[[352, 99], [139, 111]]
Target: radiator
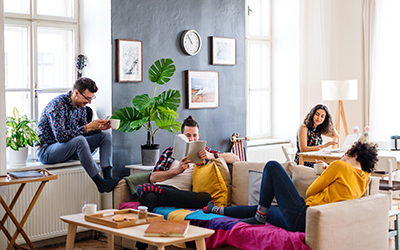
[[63, 196], [264, 153]]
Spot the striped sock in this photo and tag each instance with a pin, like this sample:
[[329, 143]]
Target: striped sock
[[147, 187], [211, 208]]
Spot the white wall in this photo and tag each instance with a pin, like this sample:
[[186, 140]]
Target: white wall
[[96, 45], [95, 30], [285, 71], [3, 189]]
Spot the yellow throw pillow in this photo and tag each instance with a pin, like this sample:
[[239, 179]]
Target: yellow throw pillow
[[208, 179]]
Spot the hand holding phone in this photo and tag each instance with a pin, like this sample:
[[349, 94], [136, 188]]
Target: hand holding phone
[[107, 117]]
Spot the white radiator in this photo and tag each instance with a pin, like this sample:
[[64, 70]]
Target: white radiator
[[63, 196], [264, 153]]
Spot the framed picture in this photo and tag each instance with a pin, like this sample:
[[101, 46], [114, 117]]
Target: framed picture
[[223, 51], [202, 89], [129, 60]]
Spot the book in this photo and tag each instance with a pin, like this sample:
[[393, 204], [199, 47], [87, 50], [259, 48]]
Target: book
[[25, 174], [183, 147], [167, 228]]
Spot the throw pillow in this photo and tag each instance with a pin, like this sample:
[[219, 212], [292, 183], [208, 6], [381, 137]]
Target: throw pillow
[[226, 175], [208, 179], [255, 179], [254, 187]]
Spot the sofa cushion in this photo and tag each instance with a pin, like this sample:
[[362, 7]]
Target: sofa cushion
[[302, 178], [208, 179], [255, 178], [240, 179]]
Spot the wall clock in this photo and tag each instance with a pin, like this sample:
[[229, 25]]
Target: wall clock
[[191, 42]]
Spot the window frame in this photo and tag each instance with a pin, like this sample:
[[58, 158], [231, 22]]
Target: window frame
[[259, 40], [33, 22]]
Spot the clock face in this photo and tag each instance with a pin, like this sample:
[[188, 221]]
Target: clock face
[[191, 42]]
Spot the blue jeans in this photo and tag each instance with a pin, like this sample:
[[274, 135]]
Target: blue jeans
[[79, 147], [290, 213]]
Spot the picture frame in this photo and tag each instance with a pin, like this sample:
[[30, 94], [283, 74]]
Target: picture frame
[[202, 89], [223, 51], [129, 60]]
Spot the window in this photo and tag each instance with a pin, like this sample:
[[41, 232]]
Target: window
[[40, 40], [384, 119], [258, 50]]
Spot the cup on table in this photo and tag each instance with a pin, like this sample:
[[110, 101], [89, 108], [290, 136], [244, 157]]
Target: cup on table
[[319, 167], [89, 208], [114, 123]]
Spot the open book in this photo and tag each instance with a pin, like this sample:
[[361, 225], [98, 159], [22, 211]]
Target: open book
[[182, 148], [167, 228]]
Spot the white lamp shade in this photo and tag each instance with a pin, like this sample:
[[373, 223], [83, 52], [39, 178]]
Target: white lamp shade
[[334, 90]]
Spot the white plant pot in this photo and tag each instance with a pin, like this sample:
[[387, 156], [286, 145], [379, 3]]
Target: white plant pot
[[17, 158]]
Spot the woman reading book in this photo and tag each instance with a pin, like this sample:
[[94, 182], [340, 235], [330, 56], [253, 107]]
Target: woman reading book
[[343, 180]]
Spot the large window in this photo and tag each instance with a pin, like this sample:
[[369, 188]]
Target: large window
[[258, 50], [40, 40], [385, 81]]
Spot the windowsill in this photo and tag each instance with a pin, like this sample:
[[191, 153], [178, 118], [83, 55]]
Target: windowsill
[[36, 165], [266, 141]]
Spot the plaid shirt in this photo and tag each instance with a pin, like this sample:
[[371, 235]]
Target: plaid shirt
[[60, 121], [166, 159]]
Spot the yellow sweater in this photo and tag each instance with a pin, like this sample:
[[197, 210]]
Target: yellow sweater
[[340, 181]]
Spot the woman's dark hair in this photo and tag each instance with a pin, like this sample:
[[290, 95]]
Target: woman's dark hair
[[366, 154], [326, 126], [189, 122], [85, 83]]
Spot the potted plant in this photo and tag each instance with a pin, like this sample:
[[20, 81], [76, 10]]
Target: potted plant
[[19, 135], [153, 113]]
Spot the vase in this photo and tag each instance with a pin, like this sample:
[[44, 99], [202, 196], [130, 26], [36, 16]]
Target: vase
[[17, 157], [150, 154]]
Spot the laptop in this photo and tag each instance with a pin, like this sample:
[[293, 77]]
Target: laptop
[[348, 142]]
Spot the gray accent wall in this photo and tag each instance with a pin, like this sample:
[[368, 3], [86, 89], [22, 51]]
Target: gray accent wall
[[159, 24]]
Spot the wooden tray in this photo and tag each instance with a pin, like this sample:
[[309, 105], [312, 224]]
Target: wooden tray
[[105, 218]]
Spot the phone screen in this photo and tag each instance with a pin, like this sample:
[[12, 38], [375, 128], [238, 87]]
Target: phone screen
[[107, 117]]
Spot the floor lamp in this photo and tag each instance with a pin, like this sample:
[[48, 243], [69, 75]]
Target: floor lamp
[[340, 90]]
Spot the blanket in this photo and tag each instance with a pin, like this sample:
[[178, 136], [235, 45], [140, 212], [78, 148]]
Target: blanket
[[229, 231]]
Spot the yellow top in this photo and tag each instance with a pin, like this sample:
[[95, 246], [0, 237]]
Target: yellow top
[[340, 181]]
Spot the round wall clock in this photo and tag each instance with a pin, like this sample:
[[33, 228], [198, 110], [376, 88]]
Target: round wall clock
[[191, 42]]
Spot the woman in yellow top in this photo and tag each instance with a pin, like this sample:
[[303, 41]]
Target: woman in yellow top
[[345, 179]]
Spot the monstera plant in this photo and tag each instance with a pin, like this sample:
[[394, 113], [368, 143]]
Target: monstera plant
[[155, 112]]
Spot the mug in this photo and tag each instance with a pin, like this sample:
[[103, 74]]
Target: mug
[[114, 123], [319, 167], [89, 208]]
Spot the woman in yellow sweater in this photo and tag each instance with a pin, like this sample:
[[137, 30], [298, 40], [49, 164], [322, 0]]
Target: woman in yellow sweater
[[343, 180]]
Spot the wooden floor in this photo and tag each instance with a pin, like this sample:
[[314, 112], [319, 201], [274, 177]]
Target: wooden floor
[[85, 244]]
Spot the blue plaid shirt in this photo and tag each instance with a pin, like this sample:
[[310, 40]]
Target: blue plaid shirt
[[60, 121], [165, 160]]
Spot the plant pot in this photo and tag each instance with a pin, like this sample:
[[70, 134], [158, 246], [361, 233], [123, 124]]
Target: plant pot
[[150, 154], [17, 158]]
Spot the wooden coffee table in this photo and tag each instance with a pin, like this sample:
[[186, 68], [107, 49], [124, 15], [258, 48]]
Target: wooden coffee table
[[198, 234]]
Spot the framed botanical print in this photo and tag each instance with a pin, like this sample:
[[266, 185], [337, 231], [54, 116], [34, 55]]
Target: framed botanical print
[[129, 60]]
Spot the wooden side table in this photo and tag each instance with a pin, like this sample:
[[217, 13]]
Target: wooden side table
[[6, 180]]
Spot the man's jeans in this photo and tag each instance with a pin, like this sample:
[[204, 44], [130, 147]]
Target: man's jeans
[[79, 147]]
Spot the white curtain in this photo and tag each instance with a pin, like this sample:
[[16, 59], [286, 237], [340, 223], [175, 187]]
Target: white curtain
[[384, 68], [315, 32]]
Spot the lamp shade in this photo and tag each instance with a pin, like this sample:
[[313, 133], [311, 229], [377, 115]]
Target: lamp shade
[[334, 90]]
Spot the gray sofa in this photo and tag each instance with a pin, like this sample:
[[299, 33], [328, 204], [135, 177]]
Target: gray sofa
[[353, 224]]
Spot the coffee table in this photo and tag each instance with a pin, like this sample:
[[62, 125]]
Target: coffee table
[[198, 234]]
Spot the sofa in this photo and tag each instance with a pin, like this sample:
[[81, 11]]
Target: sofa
[[354, 224]]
